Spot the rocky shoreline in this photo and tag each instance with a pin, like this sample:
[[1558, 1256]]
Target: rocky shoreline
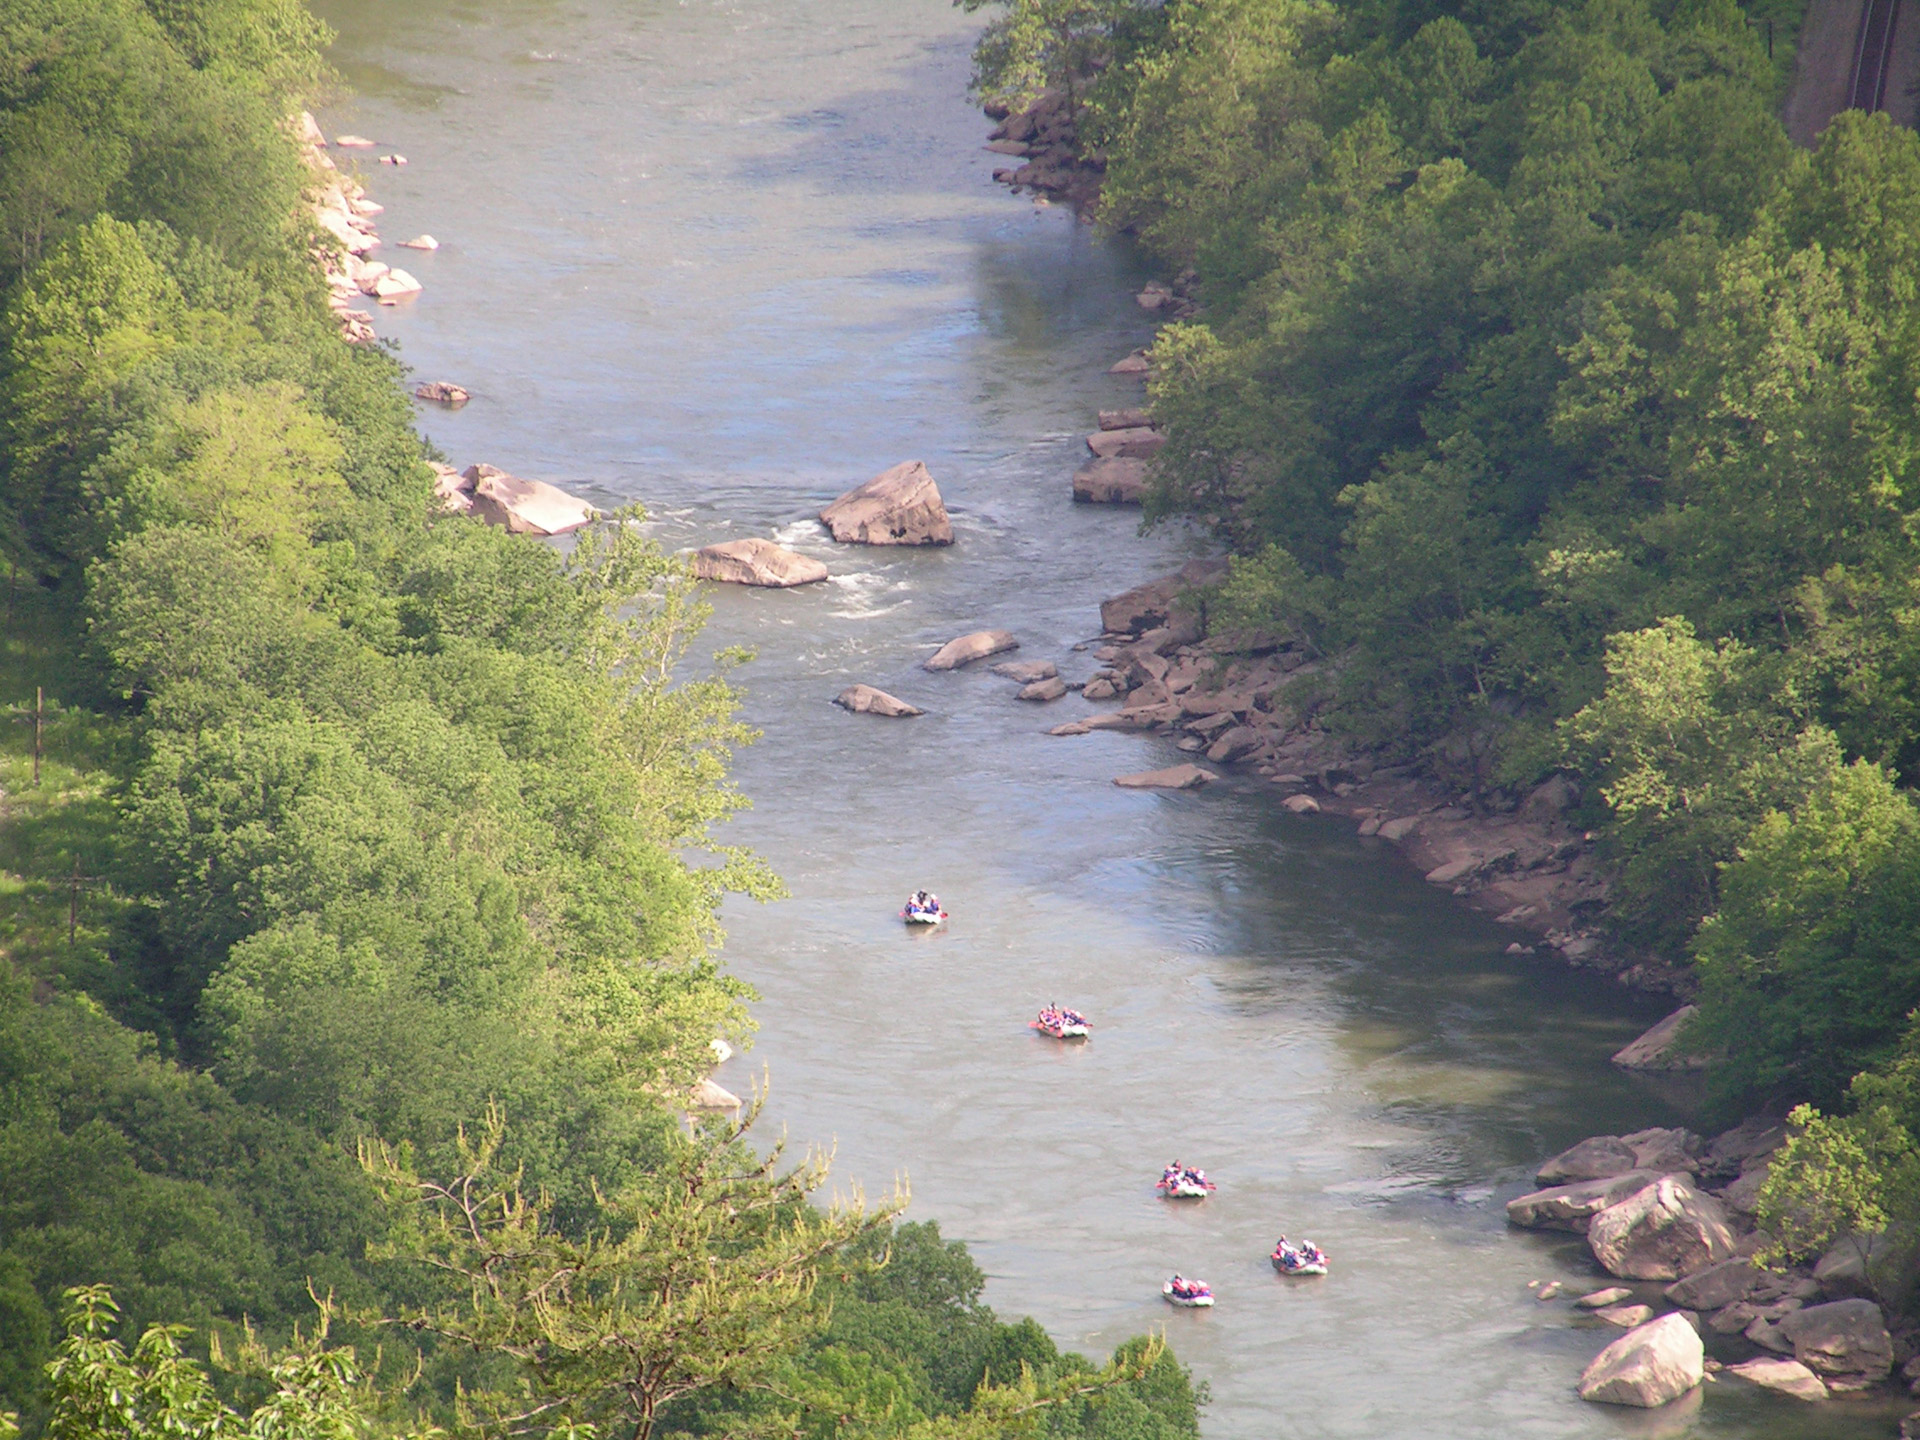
[[1521, 859], [1670, 1214]]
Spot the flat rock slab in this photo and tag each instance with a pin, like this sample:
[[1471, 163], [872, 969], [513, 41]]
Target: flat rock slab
[[1027, 671], [1571, 1207], [1134, 364], [1659, 1049], [1789, 1377], [865, 700], [756, 562], [901, 506], [1052, 688], [525, 507], [968, 648], [1133, 418], [1142, 442], [1600, 1299], [1648, 1366], [1174, 777], [1115, 480], [1625, 1316], [1301, 804]]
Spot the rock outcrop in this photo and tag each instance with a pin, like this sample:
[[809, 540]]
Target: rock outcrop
[[525, 507], [1648, 1366], [865, 700], [968, 648], [1664, 1231], [1174, 777], [1659, 1048], [1052, 688], [1150, 605], [442, 392], [756, 562], [900, 506]]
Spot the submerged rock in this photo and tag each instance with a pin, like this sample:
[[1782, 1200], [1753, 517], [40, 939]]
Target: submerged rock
[[1052, 688], [865, 700], [1649, 1366], [968, 648], [1026, 672], [755, 561], [900, 506], [1600, 1299]]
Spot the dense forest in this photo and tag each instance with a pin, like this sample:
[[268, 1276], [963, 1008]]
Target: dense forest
[[1545, 388], [358, 874]]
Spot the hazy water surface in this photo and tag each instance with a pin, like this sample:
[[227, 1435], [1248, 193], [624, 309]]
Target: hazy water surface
[[730, 259]]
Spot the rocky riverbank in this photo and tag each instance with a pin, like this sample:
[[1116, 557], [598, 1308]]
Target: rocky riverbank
[[1520, 858], [1669, 1214]]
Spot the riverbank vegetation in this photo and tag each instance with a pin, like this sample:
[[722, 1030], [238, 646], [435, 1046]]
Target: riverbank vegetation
[[1545, 388], [331, 824]]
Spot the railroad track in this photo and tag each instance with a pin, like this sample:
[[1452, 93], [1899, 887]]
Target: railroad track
[[1873, 54]]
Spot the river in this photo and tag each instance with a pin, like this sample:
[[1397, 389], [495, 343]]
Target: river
[[732, 257]]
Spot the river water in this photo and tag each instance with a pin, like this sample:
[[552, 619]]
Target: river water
[[732, 257]]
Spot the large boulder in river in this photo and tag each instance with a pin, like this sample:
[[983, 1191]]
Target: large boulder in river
[[1571, 1207], [1598, 1157], [1648, 1366], [1665, 1231], [865, 700], [968, 648], [525, 507], [756, 562], [901, 506], [1117, 480], [1846, 1338]]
